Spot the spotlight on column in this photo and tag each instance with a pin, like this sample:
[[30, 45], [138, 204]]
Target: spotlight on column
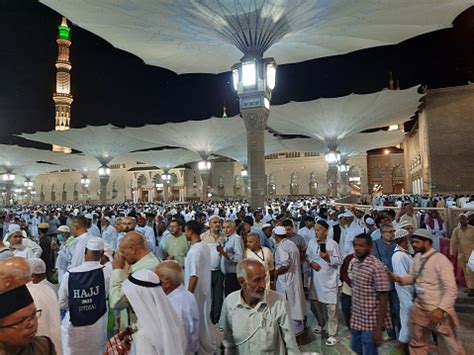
[[343, 168], [104, 171], [159, 185], [333, 157], [166, 177], [204, 165], [244, 173]]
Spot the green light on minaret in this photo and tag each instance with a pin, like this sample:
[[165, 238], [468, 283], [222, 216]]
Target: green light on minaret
[[64, 29]]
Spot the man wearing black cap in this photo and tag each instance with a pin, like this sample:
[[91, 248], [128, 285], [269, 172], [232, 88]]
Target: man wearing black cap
[[18, 314]]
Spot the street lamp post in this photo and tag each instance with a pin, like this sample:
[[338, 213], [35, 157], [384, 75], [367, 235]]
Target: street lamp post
[[166, 178], [254, 79], [332, 158], [104, 175], [9, 180], [343, 168], [85, 184], [204, 169]]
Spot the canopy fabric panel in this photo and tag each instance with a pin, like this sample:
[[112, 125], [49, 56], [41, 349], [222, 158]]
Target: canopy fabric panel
[[32, 170], [14, 156], [194, 36], [101, 142], [202, 137], [350, 145], [238, 149], [332, 119], [164, 159]]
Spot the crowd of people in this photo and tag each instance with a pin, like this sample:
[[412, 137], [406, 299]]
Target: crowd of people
[[218, 277]]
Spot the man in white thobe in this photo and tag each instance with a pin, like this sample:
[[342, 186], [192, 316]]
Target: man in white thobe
[[109, 233], [147, 232], [183, 301], [288, 278], [197, 280], [402, 262], [78, 246], [324, 257], [83, 294], [352, 229]]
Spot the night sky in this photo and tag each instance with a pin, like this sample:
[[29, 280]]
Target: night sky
[[110, 85]]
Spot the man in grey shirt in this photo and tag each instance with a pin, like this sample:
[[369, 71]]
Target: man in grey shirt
[[232, 252]]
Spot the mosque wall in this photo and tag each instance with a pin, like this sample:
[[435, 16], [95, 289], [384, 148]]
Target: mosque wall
[[288, 174], [386, 173], [439, 149]]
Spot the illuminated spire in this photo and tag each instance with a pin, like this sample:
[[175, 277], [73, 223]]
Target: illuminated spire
[[63, 30], [62, 96]]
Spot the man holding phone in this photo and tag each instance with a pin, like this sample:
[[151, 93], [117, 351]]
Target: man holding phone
[[324, 257]]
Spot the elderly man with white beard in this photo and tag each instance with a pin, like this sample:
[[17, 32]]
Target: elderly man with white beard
[[256, 320]]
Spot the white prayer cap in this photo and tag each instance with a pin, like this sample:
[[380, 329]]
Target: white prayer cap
[[75, 212], [88, 216], [267, 218], [400, 233], [108, 219], [266, 225], [108, 251], [370, 221], [380, 209], [279, 230], [406, 223], [348, 214], [213, 217], [95, 243], [37, 266], [12, 228], [64, 229]]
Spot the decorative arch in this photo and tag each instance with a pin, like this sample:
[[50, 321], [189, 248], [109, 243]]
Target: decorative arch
[[64, 193], [220, 186], [271, 185], [75, 193], [294, 184], [237, 185], [42, 195], [142, 180], [114, 189], [313, 183], [53, 192]]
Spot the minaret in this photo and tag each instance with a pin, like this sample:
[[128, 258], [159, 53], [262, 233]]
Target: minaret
[[62, 96]]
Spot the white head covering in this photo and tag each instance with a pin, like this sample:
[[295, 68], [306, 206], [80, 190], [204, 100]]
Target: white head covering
[[95, 243], [160, 331], [37, 266]]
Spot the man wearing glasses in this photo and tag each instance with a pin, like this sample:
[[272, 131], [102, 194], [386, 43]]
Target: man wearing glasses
[[383, 249], [19, 316]]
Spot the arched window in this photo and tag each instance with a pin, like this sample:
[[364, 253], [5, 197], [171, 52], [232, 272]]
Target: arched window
[[271, 185], [294, 185], [313, 183]]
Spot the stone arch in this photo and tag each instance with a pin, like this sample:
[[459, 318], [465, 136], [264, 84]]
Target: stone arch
[[75, 193], [237, 185], [313, 183], [42, 195], [220, 186], [294, 184], [271, 185], [64, 193], [114, 189], [142, 180], [53, 192]]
